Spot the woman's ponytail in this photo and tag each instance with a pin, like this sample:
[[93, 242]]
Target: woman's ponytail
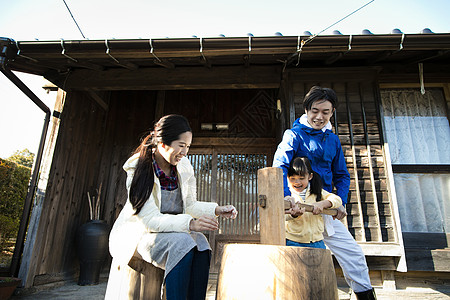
[[143, 179]]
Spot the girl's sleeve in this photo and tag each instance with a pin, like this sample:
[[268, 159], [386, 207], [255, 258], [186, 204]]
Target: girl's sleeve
[[334, 199]]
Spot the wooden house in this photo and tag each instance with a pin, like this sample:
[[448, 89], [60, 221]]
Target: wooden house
[[240, 94]]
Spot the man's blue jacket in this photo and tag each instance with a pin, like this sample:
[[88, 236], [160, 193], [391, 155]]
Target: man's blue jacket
[[324, 151]]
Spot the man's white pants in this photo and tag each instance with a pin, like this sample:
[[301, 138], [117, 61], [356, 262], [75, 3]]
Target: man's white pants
[[349, 256]]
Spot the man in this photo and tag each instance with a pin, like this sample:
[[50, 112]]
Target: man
[[311, 137]]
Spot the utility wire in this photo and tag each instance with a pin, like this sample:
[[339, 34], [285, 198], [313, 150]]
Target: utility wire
[[73, 18], [312, 37], [303, 43]]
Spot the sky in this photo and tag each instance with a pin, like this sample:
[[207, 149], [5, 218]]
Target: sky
[[21, 120]]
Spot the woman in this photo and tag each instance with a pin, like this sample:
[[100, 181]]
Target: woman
[[162, 218]]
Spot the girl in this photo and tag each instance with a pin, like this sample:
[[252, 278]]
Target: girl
[[305, 185], [162, 219]]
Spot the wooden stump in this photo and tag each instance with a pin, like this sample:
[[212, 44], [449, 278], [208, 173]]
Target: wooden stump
[[137, 280], [252, 271]]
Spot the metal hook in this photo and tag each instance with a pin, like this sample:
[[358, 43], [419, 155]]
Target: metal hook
[[422, 84], [151, 50], [201, 49], [63, 52], [18, 49], [18, 53], [107, 51], [299, 49], [350, 43], [401, 43]]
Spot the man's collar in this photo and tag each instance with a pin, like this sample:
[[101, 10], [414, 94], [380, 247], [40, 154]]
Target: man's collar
[[304, 121]]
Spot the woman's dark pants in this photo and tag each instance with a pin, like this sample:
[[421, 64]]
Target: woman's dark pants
[[189, 278]]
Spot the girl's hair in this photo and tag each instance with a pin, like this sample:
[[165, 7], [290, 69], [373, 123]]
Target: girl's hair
[[302, 167], [319, 93], [166, 130]]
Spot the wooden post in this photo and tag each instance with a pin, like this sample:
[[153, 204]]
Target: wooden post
[[271, 206]]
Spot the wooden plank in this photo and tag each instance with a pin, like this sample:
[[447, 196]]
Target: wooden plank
[[361, 234], [426, 240], [98, 99], [159, 110], [271, 213], [179, 78], [381, 249]]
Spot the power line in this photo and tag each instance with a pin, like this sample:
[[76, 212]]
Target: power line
[[339, 21], [303, 43], [73, 18]]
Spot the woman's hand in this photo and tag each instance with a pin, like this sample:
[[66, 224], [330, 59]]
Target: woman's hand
[[227, 211], [204, 223]]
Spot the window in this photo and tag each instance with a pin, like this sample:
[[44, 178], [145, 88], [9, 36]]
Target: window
[[418, 134]]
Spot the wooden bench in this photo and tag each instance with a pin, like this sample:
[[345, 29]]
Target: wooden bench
[[137, 280]]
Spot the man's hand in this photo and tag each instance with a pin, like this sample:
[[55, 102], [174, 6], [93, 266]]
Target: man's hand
[[204, 223], [341, 213]]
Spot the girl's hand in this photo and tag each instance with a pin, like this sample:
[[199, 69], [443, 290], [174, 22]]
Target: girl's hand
[[296, 211], [227, 211], [320, 206], [204, 223], [317, 209]]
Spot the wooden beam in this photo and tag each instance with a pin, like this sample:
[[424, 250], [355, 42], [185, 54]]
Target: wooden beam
[[381, 249], [87, 65], [98, 99], [159, 110], [164, 63], [180, 78]]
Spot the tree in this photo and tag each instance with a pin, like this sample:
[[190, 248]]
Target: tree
[[14, 179], [24, 158]]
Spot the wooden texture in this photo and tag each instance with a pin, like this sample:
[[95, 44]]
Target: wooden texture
[[271, 214], [172, 79], [276, 272], [309, 208], [139, 280]]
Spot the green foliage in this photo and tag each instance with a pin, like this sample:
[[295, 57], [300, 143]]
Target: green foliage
[[24, 158], [14, 180]]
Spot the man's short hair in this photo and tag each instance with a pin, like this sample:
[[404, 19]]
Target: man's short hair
[[319, 93]]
